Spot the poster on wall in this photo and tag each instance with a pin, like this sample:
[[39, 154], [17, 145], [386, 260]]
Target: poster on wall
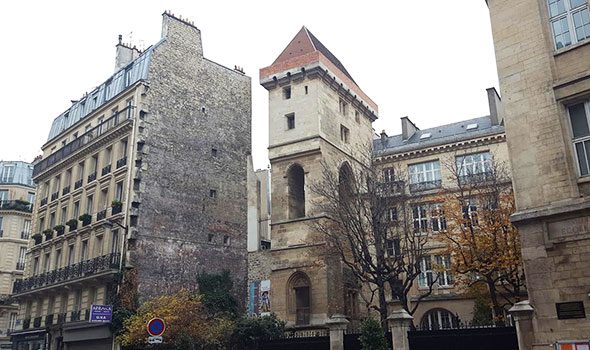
[[253, 292], [264, 299], [575, 345]]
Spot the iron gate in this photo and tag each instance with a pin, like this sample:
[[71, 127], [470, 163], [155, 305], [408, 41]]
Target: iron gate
[[483, 338]]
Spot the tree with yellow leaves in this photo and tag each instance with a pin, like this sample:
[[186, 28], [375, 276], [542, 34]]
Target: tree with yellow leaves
[[483, 244]]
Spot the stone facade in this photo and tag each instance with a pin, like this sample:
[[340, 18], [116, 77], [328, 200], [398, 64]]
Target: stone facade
[[16, 197], [545, 83], [318, 115], [150, 155], [320, 119]]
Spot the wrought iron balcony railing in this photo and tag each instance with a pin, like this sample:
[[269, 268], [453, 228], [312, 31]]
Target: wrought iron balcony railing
[[65, 191], [101, 215], [43, 201], [16, 205], [106, 170], [83, 140], [92, 177], [37, 322], [20, 265], [25, 235], [122, 162], [69, 273], [55, 195], [426, 185], [78, 184], [476, 178], [48, 320]]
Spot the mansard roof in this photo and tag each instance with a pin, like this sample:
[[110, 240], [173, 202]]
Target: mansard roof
[[305, 42], [439, 135]]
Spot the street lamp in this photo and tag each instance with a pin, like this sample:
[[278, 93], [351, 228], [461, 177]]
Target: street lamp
[[110, 224]]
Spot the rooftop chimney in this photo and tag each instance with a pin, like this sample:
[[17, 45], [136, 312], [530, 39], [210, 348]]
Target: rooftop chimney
[[125, 54], [383, 137], [496, 107], [408, 128]]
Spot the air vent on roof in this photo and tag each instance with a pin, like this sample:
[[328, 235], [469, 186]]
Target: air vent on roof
[[472, 126], [425, 136]]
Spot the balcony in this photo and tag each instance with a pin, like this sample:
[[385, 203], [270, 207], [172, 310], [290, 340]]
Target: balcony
[[475, 179], [106, 170], [390, 188], [101, 215], [20, 266], [116, 208], [37, 322], [425, 186], [43, 201], [77, 144], [65, 191], [54, 196], [84, 269], [78, 184], [16, 205], [26, 323], [92, 177], [122, 162]]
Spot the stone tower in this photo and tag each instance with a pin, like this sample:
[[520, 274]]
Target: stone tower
[[317, 113]]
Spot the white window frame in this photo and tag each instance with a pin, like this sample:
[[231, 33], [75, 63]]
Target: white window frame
[[426, 277], [420, 218], [393, 249], [472, 206], [568, 14], [445, 278], [581, 139], [388, 175], [419, 173], [467, 165], [438, 222]]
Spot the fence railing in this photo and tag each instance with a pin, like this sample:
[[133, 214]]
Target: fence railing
[[16, 205], [81, 141], [69, 273]]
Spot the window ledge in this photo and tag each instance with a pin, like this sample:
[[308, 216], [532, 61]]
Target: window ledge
[[584, 179], [571, 47]]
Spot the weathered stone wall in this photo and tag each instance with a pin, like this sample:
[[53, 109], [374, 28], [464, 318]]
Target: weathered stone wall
[[192, 204]]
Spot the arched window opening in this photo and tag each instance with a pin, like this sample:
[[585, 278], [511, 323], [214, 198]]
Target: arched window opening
[[439, 319], [345, 182], [300, 297], [296, 184]]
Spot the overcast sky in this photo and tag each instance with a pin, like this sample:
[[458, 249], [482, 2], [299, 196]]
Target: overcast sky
[[429, 60]]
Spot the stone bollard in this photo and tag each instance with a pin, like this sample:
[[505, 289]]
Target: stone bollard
[[399, 324], [522, 312], [337, 324]]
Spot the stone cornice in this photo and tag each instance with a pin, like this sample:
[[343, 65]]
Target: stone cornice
[[443, 148]]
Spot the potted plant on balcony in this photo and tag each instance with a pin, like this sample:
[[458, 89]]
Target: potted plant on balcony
[[60, 229], [86, 219], [116, 206], [73, 224], [37, 237], [48, 234]]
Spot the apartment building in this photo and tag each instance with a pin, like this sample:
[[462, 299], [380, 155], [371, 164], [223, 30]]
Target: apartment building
[[424, 161], [140, 181], [17, 195], [543, 60]]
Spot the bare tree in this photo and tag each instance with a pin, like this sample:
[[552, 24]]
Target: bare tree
[[481, 240], [368, 223]]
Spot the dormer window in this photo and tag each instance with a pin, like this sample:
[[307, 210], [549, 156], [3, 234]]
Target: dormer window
[[425, 136]]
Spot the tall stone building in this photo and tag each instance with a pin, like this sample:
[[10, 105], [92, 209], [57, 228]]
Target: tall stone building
[[140, 178], [543, 59], [17, 193], [317, 113]]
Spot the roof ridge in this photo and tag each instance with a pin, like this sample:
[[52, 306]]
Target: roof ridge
[[309, 38]]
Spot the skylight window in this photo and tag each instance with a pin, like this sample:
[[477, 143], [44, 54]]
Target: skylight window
[[472, 126], [425, 136]]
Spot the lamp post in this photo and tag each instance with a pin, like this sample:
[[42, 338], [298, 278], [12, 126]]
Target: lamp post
[[110, 224]]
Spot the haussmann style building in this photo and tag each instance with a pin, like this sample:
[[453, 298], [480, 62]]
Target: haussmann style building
[[543, 60], [17, 195], [140, 181]]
